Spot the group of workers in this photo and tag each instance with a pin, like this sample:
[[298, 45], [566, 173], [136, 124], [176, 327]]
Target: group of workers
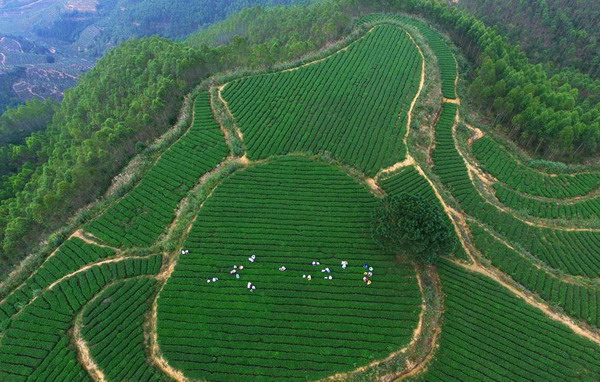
[[367, 274]]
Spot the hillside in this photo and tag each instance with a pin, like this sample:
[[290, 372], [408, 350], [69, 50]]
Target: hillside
[[46, 45], [564, 32], [238, 244]]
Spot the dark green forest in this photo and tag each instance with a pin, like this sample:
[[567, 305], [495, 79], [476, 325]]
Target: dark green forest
[[175, 19], [563, 32], [131, 96], [21, 133], [135, 92]]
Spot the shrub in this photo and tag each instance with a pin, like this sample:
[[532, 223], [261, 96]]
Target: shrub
[[410, 225]]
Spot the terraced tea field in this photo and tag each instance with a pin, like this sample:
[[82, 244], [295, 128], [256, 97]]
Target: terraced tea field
[[244, 251], [223, 331], [437, 43], [502, 165], [490, 334], [353, 104]]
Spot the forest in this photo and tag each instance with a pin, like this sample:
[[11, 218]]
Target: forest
[[134, 93], [562, 32]]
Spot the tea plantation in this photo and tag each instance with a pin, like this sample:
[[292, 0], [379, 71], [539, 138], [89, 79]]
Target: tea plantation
[[242, 249]]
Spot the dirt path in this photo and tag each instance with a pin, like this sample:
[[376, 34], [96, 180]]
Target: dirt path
[[191, 225], [451, 100], [414, 369], [534, 261], [545, 308], [90, 239], [80, 235], [226, 133], [414, 101], [244, 160], [83, 352], [319, 60], [409, 161], [474, 172], [235, 126], [375, 187], [419, 329], [477, 133], [156, 356], [595, 194], [487, 178], [541, 223], [69, 275], [449, 211], [458, 219], [201, 183], [90, 266]]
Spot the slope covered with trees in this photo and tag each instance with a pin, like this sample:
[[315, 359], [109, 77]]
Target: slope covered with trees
[[564, 32], [126, 18], [130, 97]]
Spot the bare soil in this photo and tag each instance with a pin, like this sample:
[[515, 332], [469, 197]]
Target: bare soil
[[477, 133], [83, 353], [409, 161], [156, 356]]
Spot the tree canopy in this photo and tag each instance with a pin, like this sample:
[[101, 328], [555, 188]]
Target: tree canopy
[[411, 226], [564, 32]]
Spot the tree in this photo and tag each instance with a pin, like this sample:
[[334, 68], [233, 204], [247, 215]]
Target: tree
[[412, 226]]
